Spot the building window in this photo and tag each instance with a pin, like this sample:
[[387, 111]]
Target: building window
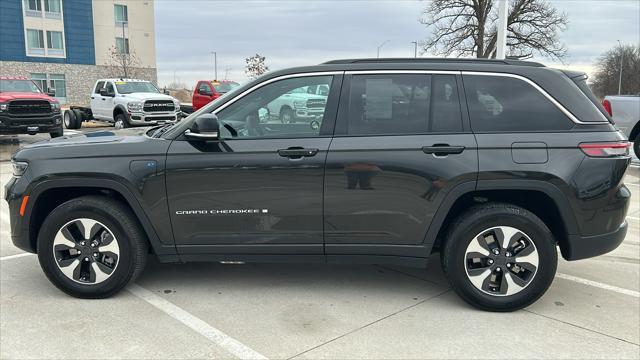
[[121, 15], [52, 9], [41, 80], [33, 8], [35, 42], [55, 44], [54, 82], [122, 45]]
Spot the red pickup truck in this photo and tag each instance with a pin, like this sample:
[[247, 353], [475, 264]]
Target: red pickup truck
[[209, 90], [26, 109]]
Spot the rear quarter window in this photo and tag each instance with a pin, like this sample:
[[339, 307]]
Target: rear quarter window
[[505, 104]]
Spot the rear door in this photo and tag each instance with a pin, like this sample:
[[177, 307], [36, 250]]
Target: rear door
[[402, 143]]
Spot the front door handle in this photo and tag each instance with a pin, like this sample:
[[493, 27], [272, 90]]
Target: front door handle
[[297, 152], [442, 149]]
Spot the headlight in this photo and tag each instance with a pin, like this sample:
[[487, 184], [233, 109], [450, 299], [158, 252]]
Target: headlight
[[299, 103], [4, 107], [134, 106], [55, 106], [19, 167], [177, 105]]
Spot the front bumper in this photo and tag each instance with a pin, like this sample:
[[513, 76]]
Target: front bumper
[[145, 118], [582, 247], [14, 193], [308, 114], [30, 124]]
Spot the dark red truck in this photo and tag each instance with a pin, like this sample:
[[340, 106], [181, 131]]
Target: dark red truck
[[26, 109], [208, 90]]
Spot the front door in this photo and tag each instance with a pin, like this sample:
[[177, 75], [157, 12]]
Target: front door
[[401, 144], [259, 189], [202, 96]]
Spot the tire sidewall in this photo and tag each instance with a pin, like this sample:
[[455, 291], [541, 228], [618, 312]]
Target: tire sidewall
[[524, 221], [123, 118], [62, 215], [636, 146]]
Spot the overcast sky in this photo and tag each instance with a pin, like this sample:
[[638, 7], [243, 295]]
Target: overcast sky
[[302, 32]]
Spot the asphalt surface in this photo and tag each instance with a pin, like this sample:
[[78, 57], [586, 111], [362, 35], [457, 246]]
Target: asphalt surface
[[201, 310]]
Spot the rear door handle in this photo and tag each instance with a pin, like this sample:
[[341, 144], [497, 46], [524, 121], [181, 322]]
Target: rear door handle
[[442, 149], [92, 98], [297, 153]]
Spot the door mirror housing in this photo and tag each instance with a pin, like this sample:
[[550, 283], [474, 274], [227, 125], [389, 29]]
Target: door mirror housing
[[204, 128], [105, 92], [51, 92]]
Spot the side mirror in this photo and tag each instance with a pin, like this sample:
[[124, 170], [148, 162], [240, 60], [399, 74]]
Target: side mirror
[[205, 128], [166, 92], [105, 92], [51, 92]]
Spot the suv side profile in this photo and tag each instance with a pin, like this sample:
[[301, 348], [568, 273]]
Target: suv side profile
[[493, 164]]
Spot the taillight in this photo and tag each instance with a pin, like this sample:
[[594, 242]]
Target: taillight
[[607, 106], [606, 149]]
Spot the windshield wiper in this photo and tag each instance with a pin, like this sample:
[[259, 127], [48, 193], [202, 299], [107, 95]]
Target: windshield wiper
[[161, 130]]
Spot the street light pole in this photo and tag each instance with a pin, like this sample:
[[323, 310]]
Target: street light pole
[[415, 49], [501, 46], [379, 46], [215, 65], [621, 63]]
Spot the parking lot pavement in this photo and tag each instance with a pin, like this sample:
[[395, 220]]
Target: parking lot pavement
[[201, 310]]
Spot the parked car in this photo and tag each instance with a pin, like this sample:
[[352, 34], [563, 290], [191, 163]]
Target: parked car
[[493, 164], [208, 90], [26, 109], [125, 103], [304, 103], [625, 111]]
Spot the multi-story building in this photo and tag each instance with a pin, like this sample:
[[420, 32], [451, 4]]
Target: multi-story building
[[67, 44]]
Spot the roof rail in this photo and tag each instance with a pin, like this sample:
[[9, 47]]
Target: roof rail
[[434, 61]]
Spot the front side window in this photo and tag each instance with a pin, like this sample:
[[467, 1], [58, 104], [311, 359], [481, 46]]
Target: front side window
[[122, 45], [388, 104], [35, 42], [120, 14], [506, 104], [281, 109], [205, 89]]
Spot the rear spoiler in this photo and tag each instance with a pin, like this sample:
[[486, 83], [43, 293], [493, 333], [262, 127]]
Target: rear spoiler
[[576, 75]]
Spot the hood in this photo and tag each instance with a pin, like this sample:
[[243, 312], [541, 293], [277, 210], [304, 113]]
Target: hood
[[147, 96], [8, 96], [307, 96], [90, 138]]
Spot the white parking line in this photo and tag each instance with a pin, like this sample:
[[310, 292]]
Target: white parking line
[[216, 336], [599, 285], [9, 257]]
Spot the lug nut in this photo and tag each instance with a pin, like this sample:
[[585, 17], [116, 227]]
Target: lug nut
[[498, 269], [82, 243], [86, 259], [496, 251], [490, 261], [95, 254], [508, 253], [509, 265]]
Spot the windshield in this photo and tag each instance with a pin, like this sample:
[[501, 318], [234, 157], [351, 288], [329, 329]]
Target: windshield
[[18, 86], [225, 87], [135, 87]]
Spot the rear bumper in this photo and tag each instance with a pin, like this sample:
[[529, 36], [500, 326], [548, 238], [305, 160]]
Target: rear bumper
[[582, 247], [30, 125]]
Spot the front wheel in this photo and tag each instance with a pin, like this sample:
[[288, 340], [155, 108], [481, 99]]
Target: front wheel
[[636, 146], [57, 133], [91, 247], [499, 257], [121, 121]]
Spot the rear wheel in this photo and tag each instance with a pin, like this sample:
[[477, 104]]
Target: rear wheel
[[121, 121], [91, 247], [499, 257], [636, 146], [70, 120]]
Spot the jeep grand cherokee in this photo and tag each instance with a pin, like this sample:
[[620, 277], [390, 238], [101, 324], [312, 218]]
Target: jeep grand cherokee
[[493, 164]]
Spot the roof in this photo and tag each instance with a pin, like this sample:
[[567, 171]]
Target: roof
[[122, 79], [433, 61]]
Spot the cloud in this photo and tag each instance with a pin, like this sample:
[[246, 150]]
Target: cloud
[[293, 32]]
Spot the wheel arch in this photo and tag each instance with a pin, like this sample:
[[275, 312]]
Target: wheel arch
[[119, 109], [48, 195], [635, 131], [541, 198]]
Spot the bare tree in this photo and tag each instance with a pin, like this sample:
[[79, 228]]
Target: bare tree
[[123, 64], [255, 66], [607, 75], [469, 28]]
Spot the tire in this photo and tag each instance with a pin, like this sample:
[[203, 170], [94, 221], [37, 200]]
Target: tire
[[70, 121], [122, 251], [471, 272], [636, 146], [57, 133], [79, 117], [287, 116], [121, 121]]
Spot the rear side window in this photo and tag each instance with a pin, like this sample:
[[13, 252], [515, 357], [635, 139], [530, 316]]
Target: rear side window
[[388, 104], [99, 86], [505, 104]]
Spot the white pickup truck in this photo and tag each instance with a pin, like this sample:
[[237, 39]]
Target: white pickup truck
[[625, 111], [125, 103]]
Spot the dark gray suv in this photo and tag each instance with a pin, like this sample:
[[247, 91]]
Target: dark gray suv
[[494, 164]]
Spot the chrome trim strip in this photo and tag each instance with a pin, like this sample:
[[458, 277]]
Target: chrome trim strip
[[542, 91], [373, 72], [282, 77]]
